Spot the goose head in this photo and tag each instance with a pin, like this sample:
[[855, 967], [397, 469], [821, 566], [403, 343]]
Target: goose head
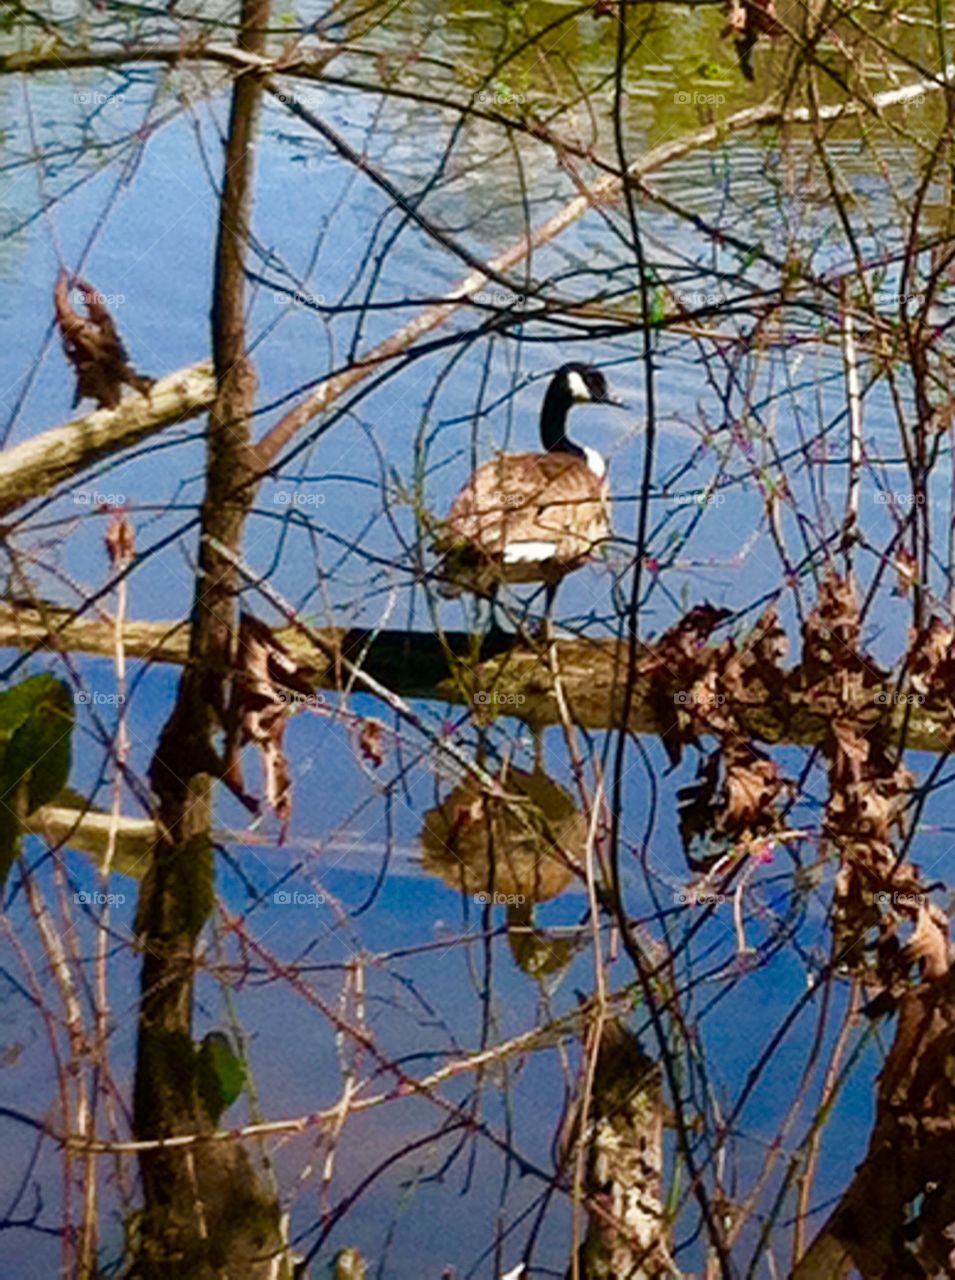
[[583, 384], [572, 384]]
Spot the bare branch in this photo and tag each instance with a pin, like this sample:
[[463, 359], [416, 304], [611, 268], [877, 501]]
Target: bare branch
[[36, 466]]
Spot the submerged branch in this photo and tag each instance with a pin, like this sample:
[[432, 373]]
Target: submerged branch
[[502, 679]]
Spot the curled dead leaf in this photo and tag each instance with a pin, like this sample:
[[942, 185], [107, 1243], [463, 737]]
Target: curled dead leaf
[[120, 540], [268, 682], [93, 346], [371, 742], [929, 943]]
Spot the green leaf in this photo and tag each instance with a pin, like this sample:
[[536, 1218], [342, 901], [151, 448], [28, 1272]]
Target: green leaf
[[220, 1074], [36, 727]]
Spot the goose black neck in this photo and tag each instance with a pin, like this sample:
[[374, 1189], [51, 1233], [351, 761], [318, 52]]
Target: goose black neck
[[553, 423]]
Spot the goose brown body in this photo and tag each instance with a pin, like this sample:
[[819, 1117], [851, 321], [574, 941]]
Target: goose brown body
[[524, 517]]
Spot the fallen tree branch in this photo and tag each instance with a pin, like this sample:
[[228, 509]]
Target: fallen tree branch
[[441, 668], [36, 466]]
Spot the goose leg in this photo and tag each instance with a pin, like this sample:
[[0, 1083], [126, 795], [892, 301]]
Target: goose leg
[[537, 731], [494, 631], [547, 623]]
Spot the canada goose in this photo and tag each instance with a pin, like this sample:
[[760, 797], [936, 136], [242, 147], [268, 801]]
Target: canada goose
[[531, 517]]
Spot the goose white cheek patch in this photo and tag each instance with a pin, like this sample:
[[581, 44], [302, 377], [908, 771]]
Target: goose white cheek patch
[[577, 387], [522, 552]]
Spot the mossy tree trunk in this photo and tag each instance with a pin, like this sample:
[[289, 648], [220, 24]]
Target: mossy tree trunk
[[206, 1212]]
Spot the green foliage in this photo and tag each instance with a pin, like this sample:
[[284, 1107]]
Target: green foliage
[[658, 307], [220, 1074], [36, 726], [711, 69]]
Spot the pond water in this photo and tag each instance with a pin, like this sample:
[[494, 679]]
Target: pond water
[[137, 213]]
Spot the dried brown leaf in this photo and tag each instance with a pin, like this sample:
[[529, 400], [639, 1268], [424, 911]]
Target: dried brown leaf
[[906, 571], [120, 540], [930, 659], [371, 742], [93, 346], [929, 943], [753, 785], [267, 684]]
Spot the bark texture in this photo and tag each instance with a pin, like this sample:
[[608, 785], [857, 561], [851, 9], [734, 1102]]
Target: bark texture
[[207, 1212]]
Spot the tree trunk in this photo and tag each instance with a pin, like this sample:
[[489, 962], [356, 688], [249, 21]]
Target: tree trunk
[[206, 1212]]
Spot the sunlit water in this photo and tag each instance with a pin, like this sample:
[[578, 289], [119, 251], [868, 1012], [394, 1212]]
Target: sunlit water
[[320, 229]]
